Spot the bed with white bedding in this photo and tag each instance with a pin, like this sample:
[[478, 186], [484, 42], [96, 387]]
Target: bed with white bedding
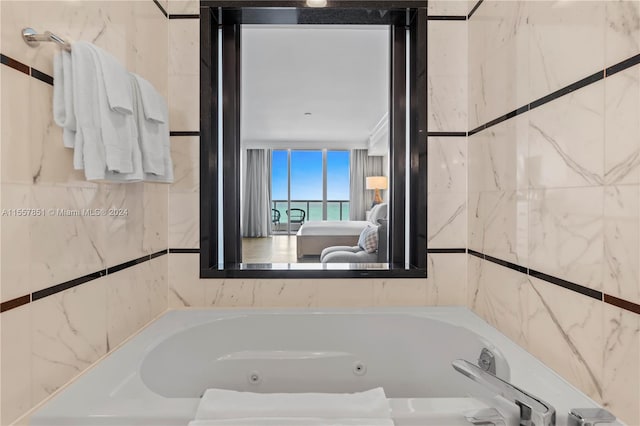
[[314, 236]]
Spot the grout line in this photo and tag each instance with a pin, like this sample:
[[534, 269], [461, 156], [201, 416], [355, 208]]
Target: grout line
[[164, 12], [474, 9], [446, 18], [184, 16]]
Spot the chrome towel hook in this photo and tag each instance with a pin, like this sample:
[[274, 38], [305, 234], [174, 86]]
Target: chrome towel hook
[[33, 39]]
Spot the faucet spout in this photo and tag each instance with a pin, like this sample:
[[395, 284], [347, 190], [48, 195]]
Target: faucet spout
[[533, 410]]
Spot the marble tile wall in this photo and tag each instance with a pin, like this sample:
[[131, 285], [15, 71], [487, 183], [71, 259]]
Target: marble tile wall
[[553, 188], [47, 342], [447, 179]]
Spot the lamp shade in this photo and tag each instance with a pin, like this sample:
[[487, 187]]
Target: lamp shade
[[377, 182]]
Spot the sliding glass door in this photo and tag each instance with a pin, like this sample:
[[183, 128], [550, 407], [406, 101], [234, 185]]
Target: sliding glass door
[[308, 185]]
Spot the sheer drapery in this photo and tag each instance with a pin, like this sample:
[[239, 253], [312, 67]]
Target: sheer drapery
[[256, 215], [362, 166]]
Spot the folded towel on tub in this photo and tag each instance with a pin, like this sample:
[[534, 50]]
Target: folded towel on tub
[[292, 421], [226, 404]]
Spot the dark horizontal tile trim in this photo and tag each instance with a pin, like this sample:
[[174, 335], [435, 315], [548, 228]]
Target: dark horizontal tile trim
[[567, 284], [568, 89], [447, 134], [506, 264], [16, 65], [184, 133], [184, 250], [164, 12], [445, 250], [158, 254], [621, 66], [621, 303], [125, 265], [474, 9], [446, 18], [42, 76], [66, 285], [15, 303], [178, 16], [475, 253]]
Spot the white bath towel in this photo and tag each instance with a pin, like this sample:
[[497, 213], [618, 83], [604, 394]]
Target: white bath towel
[[105, 138], [63, 113], [151, 114], [225, 404], [292, 421]]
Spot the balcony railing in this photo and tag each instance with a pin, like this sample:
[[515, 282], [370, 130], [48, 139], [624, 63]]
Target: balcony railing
[[336, 209]]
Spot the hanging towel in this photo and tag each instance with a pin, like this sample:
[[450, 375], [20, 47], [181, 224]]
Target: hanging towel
[[225, 404], [116, 82], [292, 421], [105, 138], [151, 115], [63, 113]]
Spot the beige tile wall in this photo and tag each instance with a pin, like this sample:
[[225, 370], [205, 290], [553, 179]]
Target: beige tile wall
[[46, 343], [556, 188]]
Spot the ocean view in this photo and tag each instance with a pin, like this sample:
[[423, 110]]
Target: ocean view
[[314, 211]]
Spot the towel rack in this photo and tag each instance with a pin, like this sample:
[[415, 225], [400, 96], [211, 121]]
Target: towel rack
[[33, 39]]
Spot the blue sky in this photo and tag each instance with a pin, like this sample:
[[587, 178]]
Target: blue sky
[[306, 175]]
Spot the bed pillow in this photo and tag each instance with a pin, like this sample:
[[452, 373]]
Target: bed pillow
[[368, 240], [378, 212]]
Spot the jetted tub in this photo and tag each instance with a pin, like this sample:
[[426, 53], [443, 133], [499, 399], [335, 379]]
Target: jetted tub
[[158, 376]]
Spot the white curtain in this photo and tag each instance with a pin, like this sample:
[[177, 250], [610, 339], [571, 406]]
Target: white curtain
[[256, 214], [362, 166]]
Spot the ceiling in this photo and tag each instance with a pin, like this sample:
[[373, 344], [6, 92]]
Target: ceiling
[[338, 74]]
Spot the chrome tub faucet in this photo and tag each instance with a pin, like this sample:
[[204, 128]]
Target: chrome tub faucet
[[533, 410]]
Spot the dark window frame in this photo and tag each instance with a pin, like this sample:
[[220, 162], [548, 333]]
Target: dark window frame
[[229, 16]]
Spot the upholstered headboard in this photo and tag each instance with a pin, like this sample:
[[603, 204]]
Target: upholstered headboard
[[379, 211]]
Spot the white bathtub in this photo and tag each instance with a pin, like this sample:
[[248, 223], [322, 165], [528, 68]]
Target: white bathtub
[[158, 376]]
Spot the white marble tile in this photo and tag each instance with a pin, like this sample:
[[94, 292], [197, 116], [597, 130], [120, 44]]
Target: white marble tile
[[15, 362], [566, 140], [186, 289], [177, 7], [566, 234], [499, 296], [66, 247], [446, 283], [572, 325], [147, 36], [345, 292], [498, 224], [448, 7], [498, 60], [622, 127], [184, 46], [184, 103], [184, 225], [135, 296], [286, 293], [400, 292], [447, 48], [447, 220], [498, 156], [447, 164], [16, 129], [621, 242], [446, 103], [230, 293], [622, 35], [124, 232], [621, 363], [15, 276], [185, 154], [69, 333], [156, 217], [566, 43]]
